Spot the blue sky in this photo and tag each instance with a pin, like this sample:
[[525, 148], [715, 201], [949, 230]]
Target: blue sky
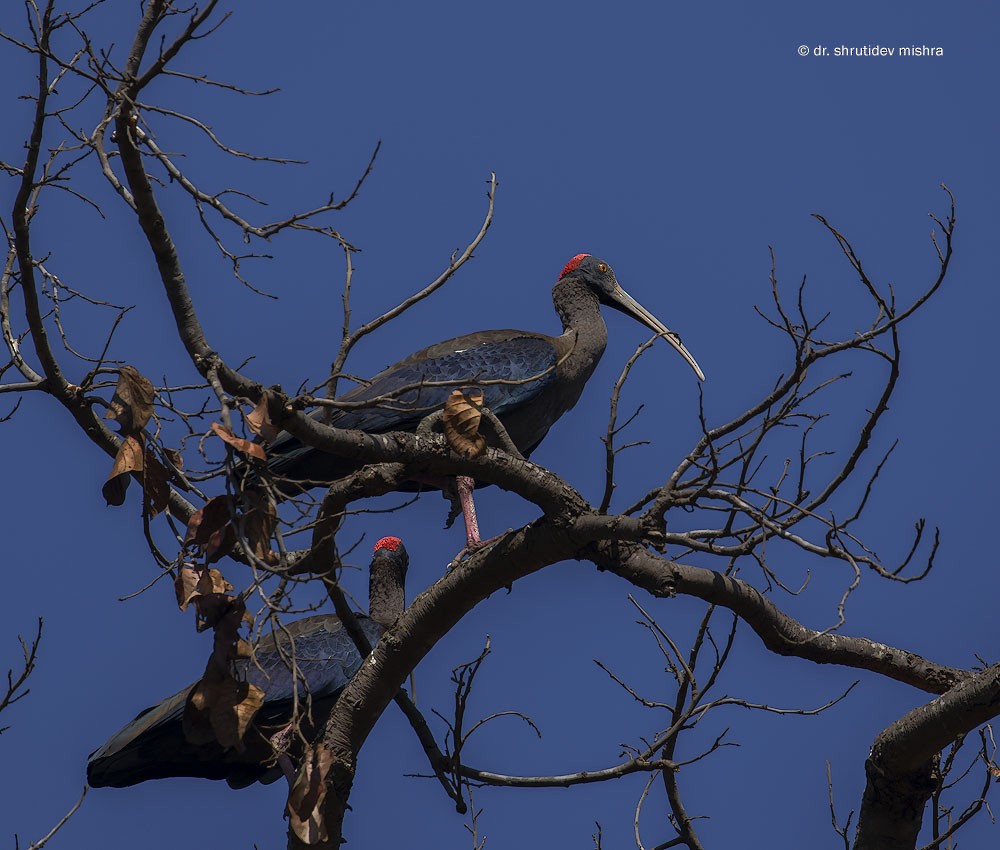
[[676, 141]]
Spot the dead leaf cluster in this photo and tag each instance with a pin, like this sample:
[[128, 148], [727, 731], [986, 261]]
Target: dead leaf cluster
[[305, 799], [221, 707], [463, 412], [132, 407]]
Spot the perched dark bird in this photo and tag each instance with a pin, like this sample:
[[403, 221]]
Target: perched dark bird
[[153, 746], [528, 379]]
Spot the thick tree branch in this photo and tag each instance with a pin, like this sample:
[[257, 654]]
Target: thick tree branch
[[779, 632], [902, 764], [425, 621], [431, 454], [150, 217], [719, 479]]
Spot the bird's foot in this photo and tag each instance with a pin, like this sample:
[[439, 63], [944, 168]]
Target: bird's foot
[[462, 502], [280, 741], [471, 547], [500, 434]]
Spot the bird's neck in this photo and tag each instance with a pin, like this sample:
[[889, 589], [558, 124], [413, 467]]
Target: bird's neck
[[386, 594], [580, 312]]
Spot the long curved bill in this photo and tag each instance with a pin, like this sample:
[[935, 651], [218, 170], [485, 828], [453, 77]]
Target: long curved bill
[[628, 305]]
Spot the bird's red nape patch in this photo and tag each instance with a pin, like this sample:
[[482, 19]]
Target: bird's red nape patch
[[390, 543], [572, 265]]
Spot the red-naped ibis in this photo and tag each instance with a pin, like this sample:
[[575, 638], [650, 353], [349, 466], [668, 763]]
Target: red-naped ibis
[[153, 746], [528, 379]]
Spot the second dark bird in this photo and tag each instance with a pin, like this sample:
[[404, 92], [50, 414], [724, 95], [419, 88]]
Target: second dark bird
[[154, 745]]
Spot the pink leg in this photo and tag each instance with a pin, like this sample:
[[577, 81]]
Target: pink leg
[[473, 541], [465, 486]]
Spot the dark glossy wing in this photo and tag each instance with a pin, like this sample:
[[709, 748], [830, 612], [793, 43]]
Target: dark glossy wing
[[153, 745], [510, 367], [137, 752], [324, 655]]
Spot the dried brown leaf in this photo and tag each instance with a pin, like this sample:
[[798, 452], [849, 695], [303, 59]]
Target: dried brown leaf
[[220, 543], [207, 520], [247, 447], [462, 414], [175, 457], [154, 484], [220, 707], [211, 608], [114, 490], [248, 706], [305, 800], [227, 630], [212, 581], [128, 460], [193, 582], [186, 585], [227, 705], [259, 522], [259, 422], [132, 403]]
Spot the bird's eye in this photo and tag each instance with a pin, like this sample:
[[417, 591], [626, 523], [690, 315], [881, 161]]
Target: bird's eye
[[602, 268]]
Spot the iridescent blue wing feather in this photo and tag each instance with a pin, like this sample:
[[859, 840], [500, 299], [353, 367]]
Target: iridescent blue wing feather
[[153, 745], [511, 371], [324, 656]]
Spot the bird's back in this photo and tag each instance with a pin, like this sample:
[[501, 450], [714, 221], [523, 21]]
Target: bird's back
[[511, 368]]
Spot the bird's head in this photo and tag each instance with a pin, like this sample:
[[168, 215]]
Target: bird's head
[[600, 278], [392, 548], [387, 580]]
